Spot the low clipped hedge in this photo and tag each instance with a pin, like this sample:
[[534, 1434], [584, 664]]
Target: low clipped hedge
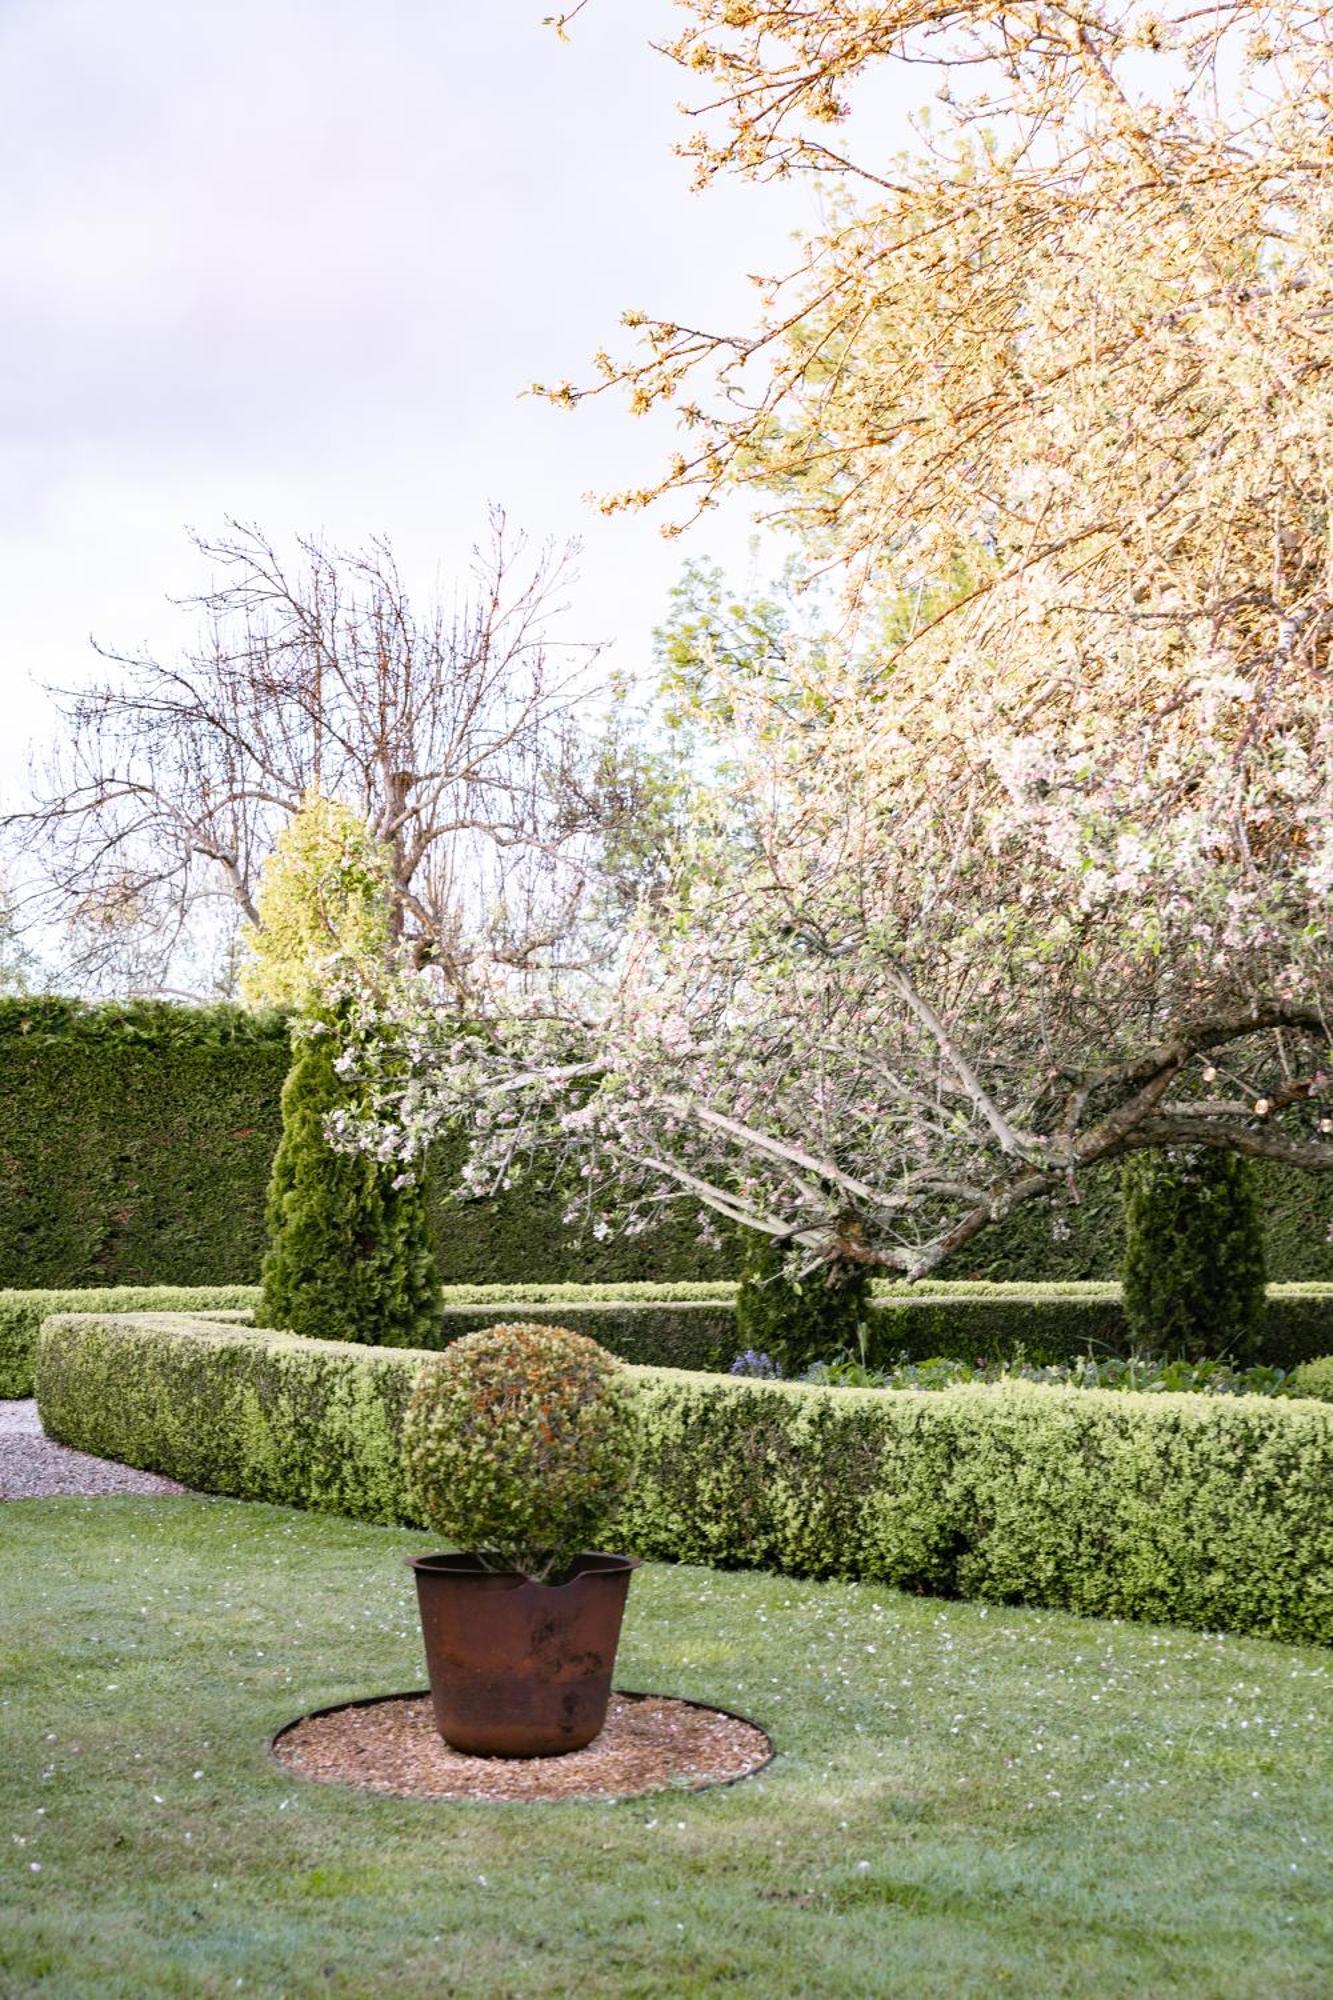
[[1215, 1512], [1055, 1323], [663, 1326], [693, 1325], [22, 1313], [686, 1333]]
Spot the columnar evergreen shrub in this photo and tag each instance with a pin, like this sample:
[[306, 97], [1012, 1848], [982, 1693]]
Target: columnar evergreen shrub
[[1194, 1254], [326, 891], [798, 1321], [350, 1255]]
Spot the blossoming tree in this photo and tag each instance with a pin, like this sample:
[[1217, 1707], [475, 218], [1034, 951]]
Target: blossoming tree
[[1043, 874]]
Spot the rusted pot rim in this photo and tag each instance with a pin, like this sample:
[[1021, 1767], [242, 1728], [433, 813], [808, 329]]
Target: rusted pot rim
[[592, 1798], [464, 1562]]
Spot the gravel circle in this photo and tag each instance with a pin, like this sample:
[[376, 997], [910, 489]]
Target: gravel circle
[[32, 1467], [650, 1741]]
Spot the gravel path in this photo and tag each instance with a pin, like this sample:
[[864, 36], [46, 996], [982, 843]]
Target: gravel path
[[32, 1467]]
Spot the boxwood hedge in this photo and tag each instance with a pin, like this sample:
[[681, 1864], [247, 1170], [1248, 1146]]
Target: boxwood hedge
[[673, 1327], [22, 1313], [1057, 1323], [693, 1325], [1215, 1512], [683, 1333], [665, 1326], [1313, 1378]]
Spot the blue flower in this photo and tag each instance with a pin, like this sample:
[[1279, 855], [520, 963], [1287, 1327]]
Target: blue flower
[[751, 1363]]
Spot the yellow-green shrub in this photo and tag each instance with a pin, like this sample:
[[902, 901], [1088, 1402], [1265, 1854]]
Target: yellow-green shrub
[[1215, 1512], [1313, 1378], [518, 1443], [22, 1313]]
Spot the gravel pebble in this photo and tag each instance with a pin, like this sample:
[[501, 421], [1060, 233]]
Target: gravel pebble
[[32, 1467]]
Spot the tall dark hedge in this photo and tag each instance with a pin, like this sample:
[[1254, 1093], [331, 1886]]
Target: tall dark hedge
[[798, 1322], [136, 1141], [350, 1254], [1193, 1273]]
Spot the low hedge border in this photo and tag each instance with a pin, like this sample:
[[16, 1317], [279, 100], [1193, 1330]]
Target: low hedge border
[[1053, 1325], [22, 1313], [1057, 1323], [693, 1325], [690, 1333], [664, 1326], [1215, 1512]]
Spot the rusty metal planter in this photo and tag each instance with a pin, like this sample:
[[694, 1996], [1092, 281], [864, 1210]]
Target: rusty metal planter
[[517, 1668]]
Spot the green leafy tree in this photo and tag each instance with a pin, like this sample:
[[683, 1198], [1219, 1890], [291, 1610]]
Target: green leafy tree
[[1194, 1273], [718, 639], [714, 635], [350, 1250], [20, 971]]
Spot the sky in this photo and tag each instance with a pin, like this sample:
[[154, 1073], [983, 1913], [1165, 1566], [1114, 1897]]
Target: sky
[[296, 261]]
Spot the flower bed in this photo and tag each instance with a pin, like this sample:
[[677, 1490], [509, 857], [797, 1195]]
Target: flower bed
[[1141, 1374]]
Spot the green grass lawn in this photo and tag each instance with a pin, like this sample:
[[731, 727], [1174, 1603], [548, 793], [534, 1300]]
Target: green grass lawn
[[966, 1801]]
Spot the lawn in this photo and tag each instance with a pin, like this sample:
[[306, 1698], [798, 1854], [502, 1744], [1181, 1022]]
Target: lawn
[[967, 1800]]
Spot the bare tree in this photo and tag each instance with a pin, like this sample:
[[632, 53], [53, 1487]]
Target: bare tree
[[464, 735]]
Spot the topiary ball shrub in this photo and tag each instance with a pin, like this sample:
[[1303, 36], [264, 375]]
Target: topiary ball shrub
[[799, 1323], [518, 1443], [1194, 1278], [1312, 1378]]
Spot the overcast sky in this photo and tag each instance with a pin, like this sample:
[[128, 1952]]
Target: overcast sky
[[295, 260]]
